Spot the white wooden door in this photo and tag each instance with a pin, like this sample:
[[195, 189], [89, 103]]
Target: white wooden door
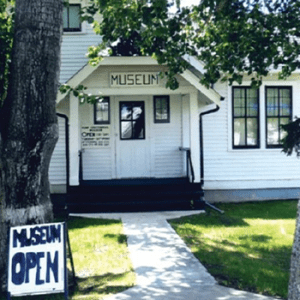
[[132, 137]]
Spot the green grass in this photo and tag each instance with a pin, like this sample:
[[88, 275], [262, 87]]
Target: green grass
[[248, 248], [101, 260]]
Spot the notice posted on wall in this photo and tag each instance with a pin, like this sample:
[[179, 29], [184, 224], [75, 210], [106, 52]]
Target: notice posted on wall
[[95, 136], [37, 260]]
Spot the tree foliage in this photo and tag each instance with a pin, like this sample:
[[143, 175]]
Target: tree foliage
[[291, 142], [231, 37]]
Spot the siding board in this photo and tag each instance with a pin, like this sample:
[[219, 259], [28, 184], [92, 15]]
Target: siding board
[[58, 163], [246, 168]]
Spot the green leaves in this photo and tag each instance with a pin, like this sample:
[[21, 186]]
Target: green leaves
[[79, 92], [230, 37], [292, 139]]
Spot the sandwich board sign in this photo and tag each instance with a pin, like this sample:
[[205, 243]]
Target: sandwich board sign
[[37, 260]]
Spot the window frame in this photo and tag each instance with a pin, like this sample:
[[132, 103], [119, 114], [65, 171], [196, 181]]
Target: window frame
[[95, 112], [246, 146], [131, 120], [168, 109], [268, 146], [71, 29]]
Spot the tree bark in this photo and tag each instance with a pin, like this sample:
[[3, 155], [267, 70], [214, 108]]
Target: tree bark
[[28, 124], [294, 284]]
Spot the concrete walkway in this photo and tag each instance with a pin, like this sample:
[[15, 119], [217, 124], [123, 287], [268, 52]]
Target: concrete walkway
[[165, 267]]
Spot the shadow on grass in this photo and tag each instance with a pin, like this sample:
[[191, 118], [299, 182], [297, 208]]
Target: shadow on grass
[[78, 222], [98, 284], [211, 219], [121, 238], [256, 238]]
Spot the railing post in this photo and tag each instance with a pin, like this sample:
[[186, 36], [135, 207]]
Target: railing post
[[189, 164]]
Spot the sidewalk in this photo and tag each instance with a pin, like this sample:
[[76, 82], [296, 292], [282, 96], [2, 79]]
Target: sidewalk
[[165, 267]]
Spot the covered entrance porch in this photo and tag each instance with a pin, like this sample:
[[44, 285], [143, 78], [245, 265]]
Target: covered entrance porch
[[138, 148]]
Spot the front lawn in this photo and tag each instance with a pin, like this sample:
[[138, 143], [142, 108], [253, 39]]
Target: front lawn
[[101, 260], [248, 247]]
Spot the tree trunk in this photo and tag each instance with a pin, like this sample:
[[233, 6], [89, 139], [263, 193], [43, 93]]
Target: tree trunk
[[294, 284], [28, 123]]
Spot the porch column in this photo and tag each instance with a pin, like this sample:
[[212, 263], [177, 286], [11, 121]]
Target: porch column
[[194, 134], [74, 140]]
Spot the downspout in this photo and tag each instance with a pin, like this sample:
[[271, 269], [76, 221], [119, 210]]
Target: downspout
[[202, 152], [67, 149]]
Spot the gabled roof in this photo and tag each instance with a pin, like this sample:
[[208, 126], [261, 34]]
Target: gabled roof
[[188, 75]]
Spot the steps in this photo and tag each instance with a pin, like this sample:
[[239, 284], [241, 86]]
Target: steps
[[127, 196]]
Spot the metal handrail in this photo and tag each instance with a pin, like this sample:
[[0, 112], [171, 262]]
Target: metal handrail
[[189, 163], [80, 166]]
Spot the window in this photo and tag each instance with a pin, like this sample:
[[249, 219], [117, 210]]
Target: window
[[102, 111], [132, 120], [71, 18], [245, 111], [278, 112], [161, 109]]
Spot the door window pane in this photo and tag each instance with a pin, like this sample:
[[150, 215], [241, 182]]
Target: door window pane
[[132, 120], [126, 111], [126, 130]]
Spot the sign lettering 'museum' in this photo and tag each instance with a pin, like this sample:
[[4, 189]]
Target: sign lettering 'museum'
[[131, 79], [36, 259]]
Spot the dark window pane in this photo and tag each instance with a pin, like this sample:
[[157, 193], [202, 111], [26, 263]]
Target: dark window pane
[[65, 18], [161, 109], [74, 17], [137, 111], [71, 18], [137, 130], [102, 111]]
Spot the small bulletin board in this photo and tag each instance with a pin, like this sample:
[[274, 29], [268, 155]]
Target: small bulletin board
[[95, 136]]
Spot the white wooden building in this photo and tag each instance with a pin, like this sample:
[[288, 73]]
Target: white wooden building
[[139, 128]]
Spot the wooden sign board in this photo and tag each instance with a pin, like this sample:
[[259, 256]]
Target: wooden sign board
[[37, 259], [134, 79]]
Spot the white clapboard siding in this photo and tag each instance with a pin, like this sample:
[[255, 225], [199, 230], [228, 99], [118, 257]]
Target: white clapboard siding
[[58, 163], [73, 51], [97, 164], [227, 168], [168, 160]]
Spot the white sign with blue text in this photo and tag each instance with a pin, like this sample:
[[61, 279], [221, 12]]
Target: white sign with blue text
[[36, 259]]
